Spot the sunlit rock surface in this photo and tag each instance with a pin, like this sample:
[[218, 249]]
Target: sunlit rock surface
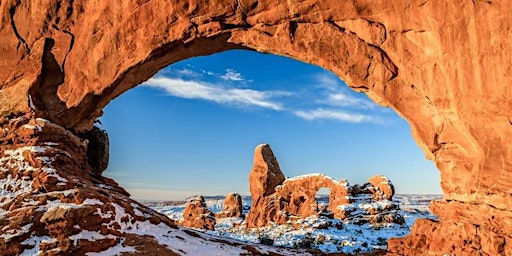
[[291, 199], [442, 65], [232, 207], [196, 215]]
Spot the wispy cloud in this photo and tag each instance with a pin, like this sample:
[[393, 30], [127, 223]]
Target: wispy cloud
[[185, 72], [327, 99], [340, 115], [336, 94], [216, 93], [232, 75]]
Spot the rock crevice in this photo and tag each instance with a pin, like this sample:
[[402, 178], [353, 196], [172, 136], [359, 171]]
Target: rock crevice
[[455, 54]]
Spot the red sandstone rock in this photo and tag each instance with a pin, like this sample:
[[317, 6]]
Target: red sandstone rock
[[295, 197], [385, 188], [442, 65], [265, 174], [232, 207], [196, 215], [52, 194], [54, 203]]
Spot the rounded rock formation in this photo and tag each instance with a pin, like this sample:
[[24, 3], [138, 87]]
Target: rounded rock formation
[[385, 188], [196, 215], [444, 66], [232, 207]]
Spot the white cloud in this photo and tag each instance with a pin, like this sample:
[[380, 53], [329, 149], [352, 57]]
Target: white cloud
[[328, 92], [232, 75], [188, 73], [339, 115], [336, 94], [216, 93], [344, 100]]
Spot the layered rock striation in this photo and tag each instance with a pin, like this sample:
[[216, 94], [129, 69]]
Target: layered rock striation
[[444, 66], [276, 203]]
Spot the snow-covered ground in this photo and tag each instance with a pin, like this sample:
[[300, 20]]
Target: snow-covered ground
[[327, 235]]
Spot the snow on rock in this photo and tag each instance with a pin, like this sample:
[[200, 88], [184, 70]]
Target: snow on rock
[[90, 236], [196, 215], [318, 232], [35, 241], [16, 232], [277, 201], [55, 201]]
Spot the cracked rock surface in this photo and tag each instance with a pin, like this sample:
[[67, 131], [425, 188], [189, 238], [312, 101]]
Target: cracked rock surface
[[444, 66]]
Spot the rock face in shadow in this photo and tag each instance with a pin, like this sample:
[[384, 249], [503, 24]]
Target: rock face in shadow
[[444, 66], [196, 215], [293, 198], [232, 207]]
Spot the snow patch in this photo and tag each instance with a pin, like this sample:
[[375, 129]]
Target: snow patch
[[90, 236], [92, 201], [17, 232], [36, 241], [32, 127]]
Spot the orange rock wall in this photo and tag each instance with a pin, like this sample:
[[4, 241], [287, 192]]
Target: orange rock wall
[[442, 65]]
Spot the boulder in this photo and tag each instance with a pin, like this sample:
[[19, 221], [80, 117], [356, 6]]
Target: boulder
[[384, 187], [232, 207], [265, 174], [196, 215]]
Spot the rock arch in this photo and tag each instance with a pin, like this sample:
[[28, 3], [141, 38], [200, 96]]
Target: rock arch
[[443, 66]]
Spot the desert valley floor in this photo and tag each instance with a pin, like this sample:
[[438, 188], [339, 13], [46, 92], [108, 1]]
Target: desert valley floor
[[321, 233]]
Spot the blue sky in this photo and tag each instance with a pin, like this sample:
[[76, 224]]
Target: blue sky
[[193, 127]]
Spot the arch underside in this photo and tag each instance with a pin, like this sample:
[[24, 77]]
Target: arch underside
[[441, 65]]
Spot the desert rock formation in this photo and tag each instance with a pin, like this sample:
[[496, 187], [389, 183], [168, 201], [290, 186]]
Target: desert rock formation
[[232, 207], [52, 198], [294, 198], [386, 190], [444, 66], [196, 215], [53, 202]]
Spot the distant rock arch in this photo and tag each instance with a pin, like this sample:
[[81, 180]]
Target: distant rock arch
[[306, 187], [276, 200]]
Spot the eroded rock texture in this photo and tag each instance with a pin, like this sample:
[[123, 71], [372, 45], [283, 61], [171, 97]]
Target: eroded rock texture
[[294, 198], [232, 207], [196, 215], [52, 202], [442, 65]]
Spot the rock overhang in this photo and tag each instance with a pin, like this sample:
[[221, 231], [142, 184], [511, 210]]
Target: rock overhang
[[443, 66]]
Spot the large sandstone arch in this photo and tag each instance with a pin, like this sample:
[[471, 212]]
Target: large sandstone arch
[[443, 66]]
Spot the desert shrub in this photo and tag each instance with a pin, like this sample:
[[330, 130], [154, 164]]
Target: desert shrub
[[305, 242], [265, 239], [382, 241]]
